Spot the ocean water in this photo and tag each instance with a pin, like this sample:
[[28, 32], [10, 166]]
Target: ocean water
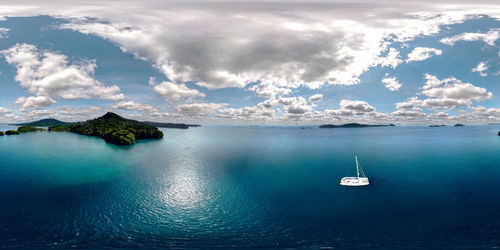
[[254, 186]]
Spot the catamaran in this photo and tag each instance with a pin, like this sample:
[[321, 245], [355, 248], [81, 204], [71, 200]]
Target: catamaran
[[356, 181]]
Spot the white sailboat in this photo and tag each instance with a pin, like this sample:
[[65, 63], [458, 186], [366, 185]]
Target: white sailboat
[[356, 181]]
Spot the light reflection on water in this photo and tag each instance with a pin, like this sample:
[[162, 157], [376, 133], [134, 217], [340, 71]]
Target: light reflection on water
[[252, 187]]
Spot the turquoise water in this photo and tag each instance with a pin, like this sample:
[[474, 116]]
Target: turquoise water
[[251, 186]]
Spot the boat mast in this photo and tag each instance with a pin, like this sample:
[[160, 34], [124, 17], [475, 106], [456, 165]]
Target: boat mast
[[357, 167]]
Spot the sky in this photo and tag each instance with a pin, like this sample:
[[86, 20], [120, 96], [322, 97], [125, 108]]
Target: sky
[[252, 62]]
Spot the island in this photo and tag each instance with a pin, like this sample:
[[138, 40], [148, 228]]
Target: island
[[43, 123], [1, 133], [354, 125], [459, 125], [12, 132], [113, 129], [172, 125], [24, 129], [437, 126]]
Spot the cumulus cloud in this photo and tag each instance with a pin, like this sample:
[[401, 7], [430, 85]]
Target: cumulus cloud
[[446, 93], [422, 53], [481, 68], [36, 102], [392, 83], [393, 59], [268, 89], [173, 92], [489, 38], [350, 108], [5, 111], [452, 93], [199, 109], [236, 44], [47, 74], [316, 98]]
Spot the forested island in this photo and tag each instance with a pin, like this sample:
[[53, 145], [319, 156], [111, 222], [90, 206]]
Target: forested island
[[43, 123], [354, 125], [113, 129]]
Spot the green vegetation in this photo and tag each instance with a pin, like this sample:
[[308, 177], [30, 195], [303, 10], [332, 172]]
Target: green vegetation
[[43, 123], [1, 133], [113, 129], [60, 128], [459, 125], [24, 129], [12, 132]]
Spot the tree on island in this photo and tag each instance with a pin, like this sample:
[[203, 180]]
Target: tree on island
[[1, 133], [24, 129], [12, 132], [113, 129]]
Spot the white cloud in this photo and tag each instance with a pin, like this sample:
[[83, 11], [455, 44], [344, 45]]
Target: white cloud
[[393, 59], [489, 38], [350, 108], [447, 93], [392, 83], [316, 98], [199, 109], [268, 89], [481, 68], [295, 105], [36, 102], [5, 111], [422, 53], [236, 44], [46, 73], [173, 92]]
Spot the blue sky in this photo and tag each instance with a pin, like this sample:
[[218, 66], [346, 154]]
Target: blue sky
[[251, 63]]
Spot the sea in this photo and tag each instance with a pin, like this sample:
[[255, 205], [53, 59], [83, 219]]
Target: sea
[[254, 187]]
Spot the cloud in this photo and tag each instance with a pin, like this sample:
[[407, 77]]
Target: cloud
[[5, 111], [268, 89], [295, 105], [199, 109], [350, 108], [144, 108], [422, 53], [481, 68], [489, 38], [447, 93], [316, 98], [4, 32], [236, 44], [392, 83], [47, 74], [173, 92], [36, 102], [411, 103], [393, 59]]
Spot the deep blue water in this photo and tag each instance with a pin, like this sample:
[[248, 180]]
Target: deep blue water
[[244, 186]]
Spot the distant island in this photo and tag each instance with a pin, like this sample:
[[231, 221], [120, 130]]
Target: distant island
[[113, 129], [172, 125], [43, 123], [354, 125], [459, 125], [51, 122], [436, 126]]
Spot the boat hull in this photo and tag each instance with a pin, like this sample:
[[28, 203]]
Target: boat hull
[[354, 181]]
